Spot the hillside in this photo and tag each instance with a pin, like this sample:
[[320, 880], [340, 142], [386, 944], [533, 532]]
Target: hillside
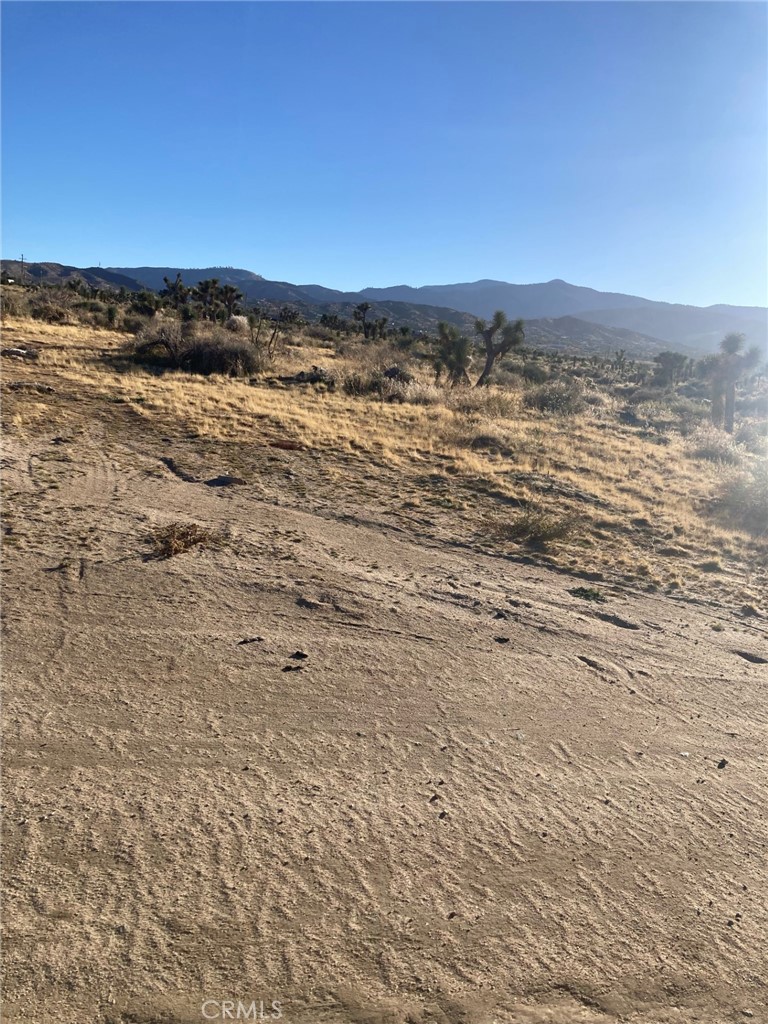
[[360, 749], [694, 327], [59, 274], [558, 314], [680, 326], [686, 326], [580, 337]]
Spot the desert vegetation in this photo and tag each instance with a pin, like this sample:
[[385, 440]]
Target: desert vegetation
[[595, 464]]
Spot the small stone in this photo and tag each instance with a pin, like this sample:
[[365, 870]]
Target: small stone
[[722, 764]]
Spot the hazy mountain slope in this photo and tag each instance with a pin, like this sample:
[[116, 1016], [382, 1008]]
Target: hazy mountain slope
[[59, 273], [692, 326], [683, 325], [550, 299], [742, 312], [572, 335], [153, 277]]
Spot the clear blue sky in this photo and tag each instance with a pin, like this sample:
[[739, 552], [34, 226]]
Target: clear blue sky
[[617, 145]]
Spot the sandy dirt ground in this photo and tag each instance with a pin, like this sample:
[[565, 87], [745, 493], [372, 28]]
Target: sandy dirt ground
[[377, 777]]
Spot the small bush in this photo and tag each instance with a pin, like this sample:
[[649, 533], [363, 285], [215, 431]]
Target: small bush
[[485, 435], [743, 500], [175, 538], [204, 350], [707, 442], [562, 397], [753, 436], [159, 342], [238, 324], [490, 402], [535, 373], [535, 525], [417, 393], [233, 357], [318, 333], [13, 302], [589, 594], [50, 310], [134, 324]]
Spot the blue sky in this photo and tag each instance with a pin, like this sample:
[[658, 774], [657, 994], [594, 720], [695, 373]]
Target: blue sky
[[617, 145]]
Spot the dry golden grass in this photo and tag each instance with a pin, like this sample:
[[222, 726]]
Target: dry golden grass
[[642, 507]]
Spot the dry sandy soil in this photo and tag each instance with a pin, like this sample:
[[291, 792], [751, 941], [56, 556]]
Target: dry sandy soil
[[342, 761]]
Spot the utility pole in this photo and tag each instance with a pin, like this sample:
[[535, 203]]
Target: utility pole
[[22, 268]]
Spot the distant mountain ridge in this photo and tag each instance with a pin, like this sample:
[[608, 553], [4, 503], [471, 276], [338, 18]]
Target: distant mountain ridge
[[596, 320], [689, 327]]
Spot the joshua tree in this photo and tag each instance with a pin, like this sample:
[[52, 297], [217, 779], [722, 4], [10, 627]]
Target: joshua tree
[[453, 354], [176, 291], [359, 313], [512, 336], [733, 364], [670, 367], [230, 296], [208, 295], [378, 329]]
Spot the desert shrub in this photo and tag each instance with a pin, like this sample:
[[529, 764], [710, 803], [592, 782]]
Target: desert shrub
[[509, 377], [238, 324], [479, 435], [753, 436], [370, 356], [562, 397], [589, 594], [488, 402], [363, 382], [51, 308], [742, 500], [707, 442], [134, 324], [196, 348], [657, 414], [689, 413], [159, 342], [534, 373], [232, 357], [535, 525], [319, 333], [175, 538], [418, 393], [13, 303]]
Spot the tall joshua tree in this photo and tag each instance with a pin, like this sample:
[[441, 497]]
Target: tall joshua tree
[[176, 291], [208, 295], [359, 313], [453, 354], [230, 296], [499, 337], [734, 363]]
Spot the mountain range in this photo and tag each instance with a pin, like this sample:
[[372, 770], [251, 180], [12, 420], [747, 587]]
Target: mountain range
[[557, 314]]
